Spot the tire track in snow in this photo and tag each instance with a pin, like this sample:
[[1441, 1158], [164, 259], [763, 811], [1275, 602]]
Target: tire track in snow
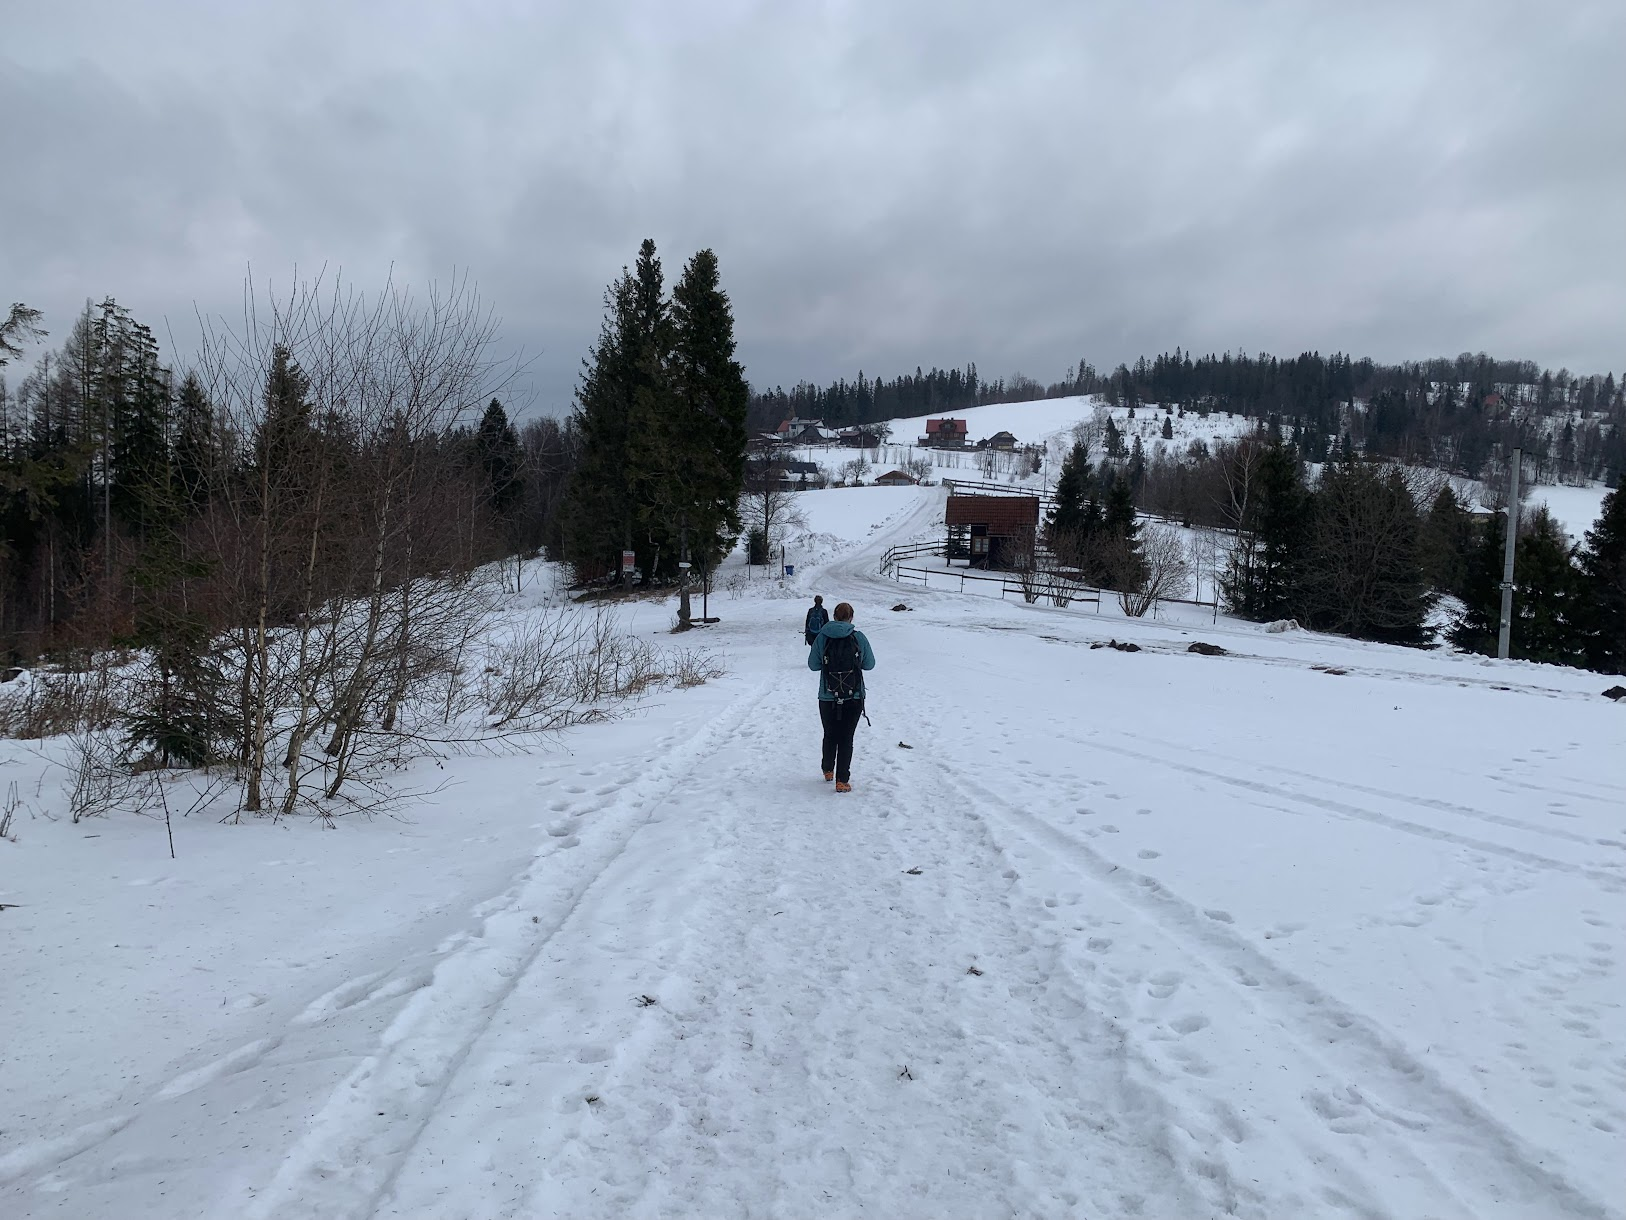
[[354, 1146], [1613, 882], [1430, 1121], [804, 972], [1424, 802]]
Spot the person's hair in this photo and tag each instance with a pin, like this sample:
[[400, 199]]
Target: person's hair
[[844, 612], [818, 599]]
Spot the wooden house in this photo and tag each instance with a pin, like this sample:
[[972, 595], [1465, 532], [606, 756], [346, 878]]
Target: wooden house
[[945, 434], [991, 531], [861, 437], [895, 478], [1003, 441]]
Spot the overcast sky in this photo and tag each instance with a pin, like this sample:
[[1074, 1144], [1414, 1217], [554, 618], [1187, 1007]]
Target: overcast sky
[[885, 184]]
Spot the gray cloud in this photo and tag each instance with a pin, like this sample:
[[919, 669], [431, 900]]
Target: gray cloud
[[885, 185]]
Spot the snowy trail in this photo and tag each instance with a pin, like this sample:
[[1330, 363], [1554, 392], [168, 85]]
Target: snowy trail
[[721, 1022], [354, 1145], [790, 949], [797, 975]]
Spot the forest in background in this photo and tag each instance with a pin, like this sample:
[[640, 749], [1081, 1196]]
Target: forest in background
[[344, 448]]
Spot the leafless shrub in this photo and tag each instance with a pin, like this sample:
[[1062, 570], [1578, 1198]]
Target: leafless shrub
[[8, 811], [51, 702], [526, 678], [99, 782], [1207, 554], [610, 664], [692, 667], [1167, 573]]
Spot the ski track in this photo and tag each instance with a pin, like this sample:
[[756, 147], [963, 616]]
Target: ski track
[[355, 1145], [1613, 882], [1373, 1088], [811, 962]]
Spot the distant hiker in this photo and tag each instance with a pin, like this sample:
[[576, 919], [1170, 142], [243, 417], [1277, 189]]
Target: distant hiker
[[841, 655], [816, 619]]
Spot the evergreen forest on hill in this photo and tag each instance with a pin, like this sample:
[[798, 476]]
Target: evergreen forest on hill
[[346, 447]]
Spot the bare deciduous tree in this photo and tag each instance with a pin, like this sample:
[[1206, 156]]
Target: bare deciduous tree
[[1166, 572]]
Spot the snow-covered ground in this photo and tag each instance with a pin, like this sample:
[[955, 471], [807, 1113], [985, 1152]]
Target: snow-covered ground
[[1574, 508], [1315, 928], [1043, 421]]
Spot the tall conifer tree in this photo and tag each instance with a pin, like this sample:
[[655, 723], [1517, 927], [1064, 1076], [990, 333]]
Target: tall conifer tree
[[709, 401], [1603, 586]]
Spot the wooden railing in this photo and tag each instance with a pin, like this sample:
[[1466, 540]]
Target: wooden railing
[[1046, 587]]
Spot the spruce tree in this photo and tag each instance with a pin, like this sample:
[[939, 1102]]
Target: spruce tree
[[1602, 562], [1264, 579], [1114, 441], [1549, 606], [1076, 513], [1480, 590], [655, 455], [195, 446], [1365, 575], [1547, 598], [496, 446], [709, 397], [1122, 566], [614, 407], [1447, 540]]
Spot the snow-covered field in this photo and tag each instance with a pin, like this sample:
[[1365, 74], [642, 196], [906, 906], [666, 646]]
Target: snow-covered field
[[1315, 928], [1032, 423], [1574, 508]]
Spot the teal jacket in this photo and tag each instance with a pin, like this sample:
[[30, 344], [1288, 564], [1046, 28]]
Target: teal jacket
[[815, 654]]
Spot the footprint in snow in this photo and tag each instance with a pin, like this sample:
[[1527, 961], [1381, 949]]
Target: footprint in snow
[[1146, 853], [562, 829], [1220, 916], [1164, 984], [1111, 830], [1189, 1025]]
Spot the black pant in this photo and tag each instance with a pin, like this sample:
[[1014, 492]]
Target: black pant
[[840, 722]]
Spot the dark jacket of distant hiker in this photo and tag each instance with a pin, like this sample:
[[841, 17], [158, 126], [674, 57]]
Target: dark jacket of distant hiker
[[815, 655], [817, 617]]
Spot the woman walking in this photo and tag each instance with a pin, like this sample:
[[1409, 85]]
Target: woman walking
[[841, 655]]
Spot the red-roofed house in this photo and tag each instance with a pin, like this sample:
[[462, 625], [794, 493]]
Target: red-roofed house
[[945, 434]]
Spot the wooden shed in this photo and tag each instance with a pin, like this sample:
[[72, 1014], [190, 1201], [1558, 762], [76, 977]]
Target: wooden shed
[[991, 531]]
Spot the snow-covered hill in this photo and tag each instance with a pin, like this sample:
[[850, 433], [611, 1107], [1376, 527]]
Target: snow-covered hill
[[1311, 928]]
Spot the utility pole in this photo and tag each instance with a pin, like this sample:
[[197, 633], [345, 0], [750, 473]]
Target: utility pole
[[1506, 629], [684, 613]]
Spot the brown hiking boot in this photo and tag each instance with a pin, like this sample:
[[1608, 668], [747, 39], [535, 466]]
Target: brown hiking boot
[[828, 776], [841, 787]]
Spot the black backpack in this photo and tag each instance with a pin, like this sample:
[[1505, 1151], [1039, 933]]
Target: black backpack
[[843, 667]]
